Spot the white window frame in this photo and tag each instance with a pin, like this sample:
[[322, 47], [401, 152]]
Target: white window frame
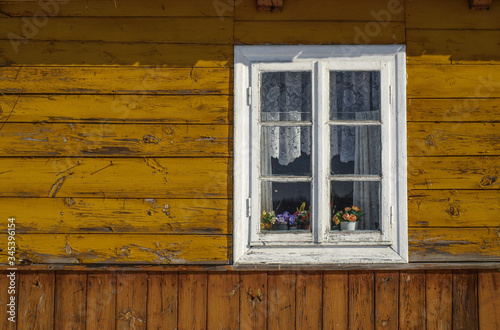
[[320, 245]]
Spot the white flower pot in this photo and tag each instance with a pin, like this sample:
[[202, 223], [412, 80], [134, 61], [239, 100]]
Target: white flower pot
[[348, 225]]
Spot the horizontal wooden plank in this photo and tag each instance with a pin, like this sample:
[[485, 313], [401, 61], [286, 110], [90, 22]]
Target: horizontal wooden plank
[[128, 8], [136, 108], [45, 53], [120, 80], [453, 81], [313, 32], [121, 248], [454, 139], [445, 110], [329, 10], [452, 47], [479, 172], [115, 140], [209, 30], [453, 208], [97, 215], [199, 178], [454, 244]]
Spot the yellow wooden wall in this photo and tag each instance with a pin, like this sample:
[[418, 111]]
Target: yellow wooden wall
[[116, 122]]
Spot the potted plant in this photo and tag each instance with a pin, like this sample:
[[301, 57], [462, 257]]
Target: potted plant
[[303, 217], [347, 218], [282, 221], [268, 220]]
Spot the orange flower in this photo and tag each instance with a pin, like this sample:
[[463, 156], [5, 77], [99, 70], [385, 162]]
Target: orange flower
[[355, 208], [347, 209], [353, 217], [345, 216]]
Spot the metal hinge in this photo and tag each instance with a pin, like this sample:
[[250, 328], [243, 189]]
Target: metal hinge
[[249, 207], [249, 95], [390, 94]]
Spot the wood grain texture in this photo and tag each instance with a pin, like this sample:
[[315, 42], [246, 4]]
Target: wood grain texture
[[488, 299], [6, 287], [465, 309], [386, 300], [101, 301], [335, 300], [162, 300], [253, 300], [223, 301], [438, 299], [412, 300], [453, 110], [309, 301], [131, 300], [70, 301], [281, 300], [361, 300], [36, 301], [192, 301]]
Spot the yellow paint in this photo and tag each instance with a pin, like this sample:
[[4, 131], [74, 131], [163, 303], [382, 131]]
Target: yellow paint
[[454, 110]]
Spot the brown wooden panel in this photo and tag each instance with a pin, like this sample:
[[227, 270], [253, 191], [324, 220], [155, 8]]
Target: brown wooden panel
[[465, 309], [449, 81], [119, 80], [438, 299], [192, 301], [488, 299], [70, 301], [386, 300], [131, 300], [203, 178], [313, 32], [101, 301], [281, 303], [453, 208], [309, 301], [122, 248], [361, 300], [253, 300], [453, 139], [36, 301], [9, 288], [444, 110], [223, 301], [477, 172], [412, 300], [116, 140], [454, 244], [162, 301], [92, 215], [335, 300]]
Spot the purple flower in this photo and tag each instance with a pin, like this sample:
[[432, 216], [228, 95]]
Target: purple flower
[[281, 218], [291, 220]]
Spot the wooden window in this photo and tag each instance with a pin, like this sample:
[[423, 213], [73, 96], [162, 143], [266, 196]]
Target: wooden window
[[319, 129]]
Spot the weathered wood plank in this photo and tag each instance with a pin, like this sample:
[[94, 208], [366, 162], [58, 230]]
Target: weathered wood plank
[[203, 178], [92, 215], [314, 32], [162, 300], [115, 140], [412, 300], [386, 300], [36, 301], [438, 299], [128, 80], [6, 291], [281, 300], [444, 110], [361, 300], [465, 309], [45, 53], [192, 301], [101, 301], [131, 300], [309, 301], [454, 244], [453, 172], [70, 301], [136, 108], [122, 248], [453, 139], [253, 300], [335, 300], [223, 301], [488, 299], [449, 81], [453, 208]]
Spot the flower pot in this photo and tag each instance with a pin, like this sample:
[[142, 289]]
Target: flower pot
[[280, 226], [348, 225], [294, 227]]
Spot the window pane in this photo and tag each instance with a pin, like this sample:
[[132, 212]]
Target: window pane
[[286, 96], [354, 95], [286, 150], [355, 150], [286, 206], [363, 194]]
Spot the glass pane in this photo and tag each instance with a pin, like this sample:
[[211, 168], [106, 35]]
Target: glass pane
[[355, 149], [286, 96], [285, 206], [286, 150], [354, 95], [364, 195]]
